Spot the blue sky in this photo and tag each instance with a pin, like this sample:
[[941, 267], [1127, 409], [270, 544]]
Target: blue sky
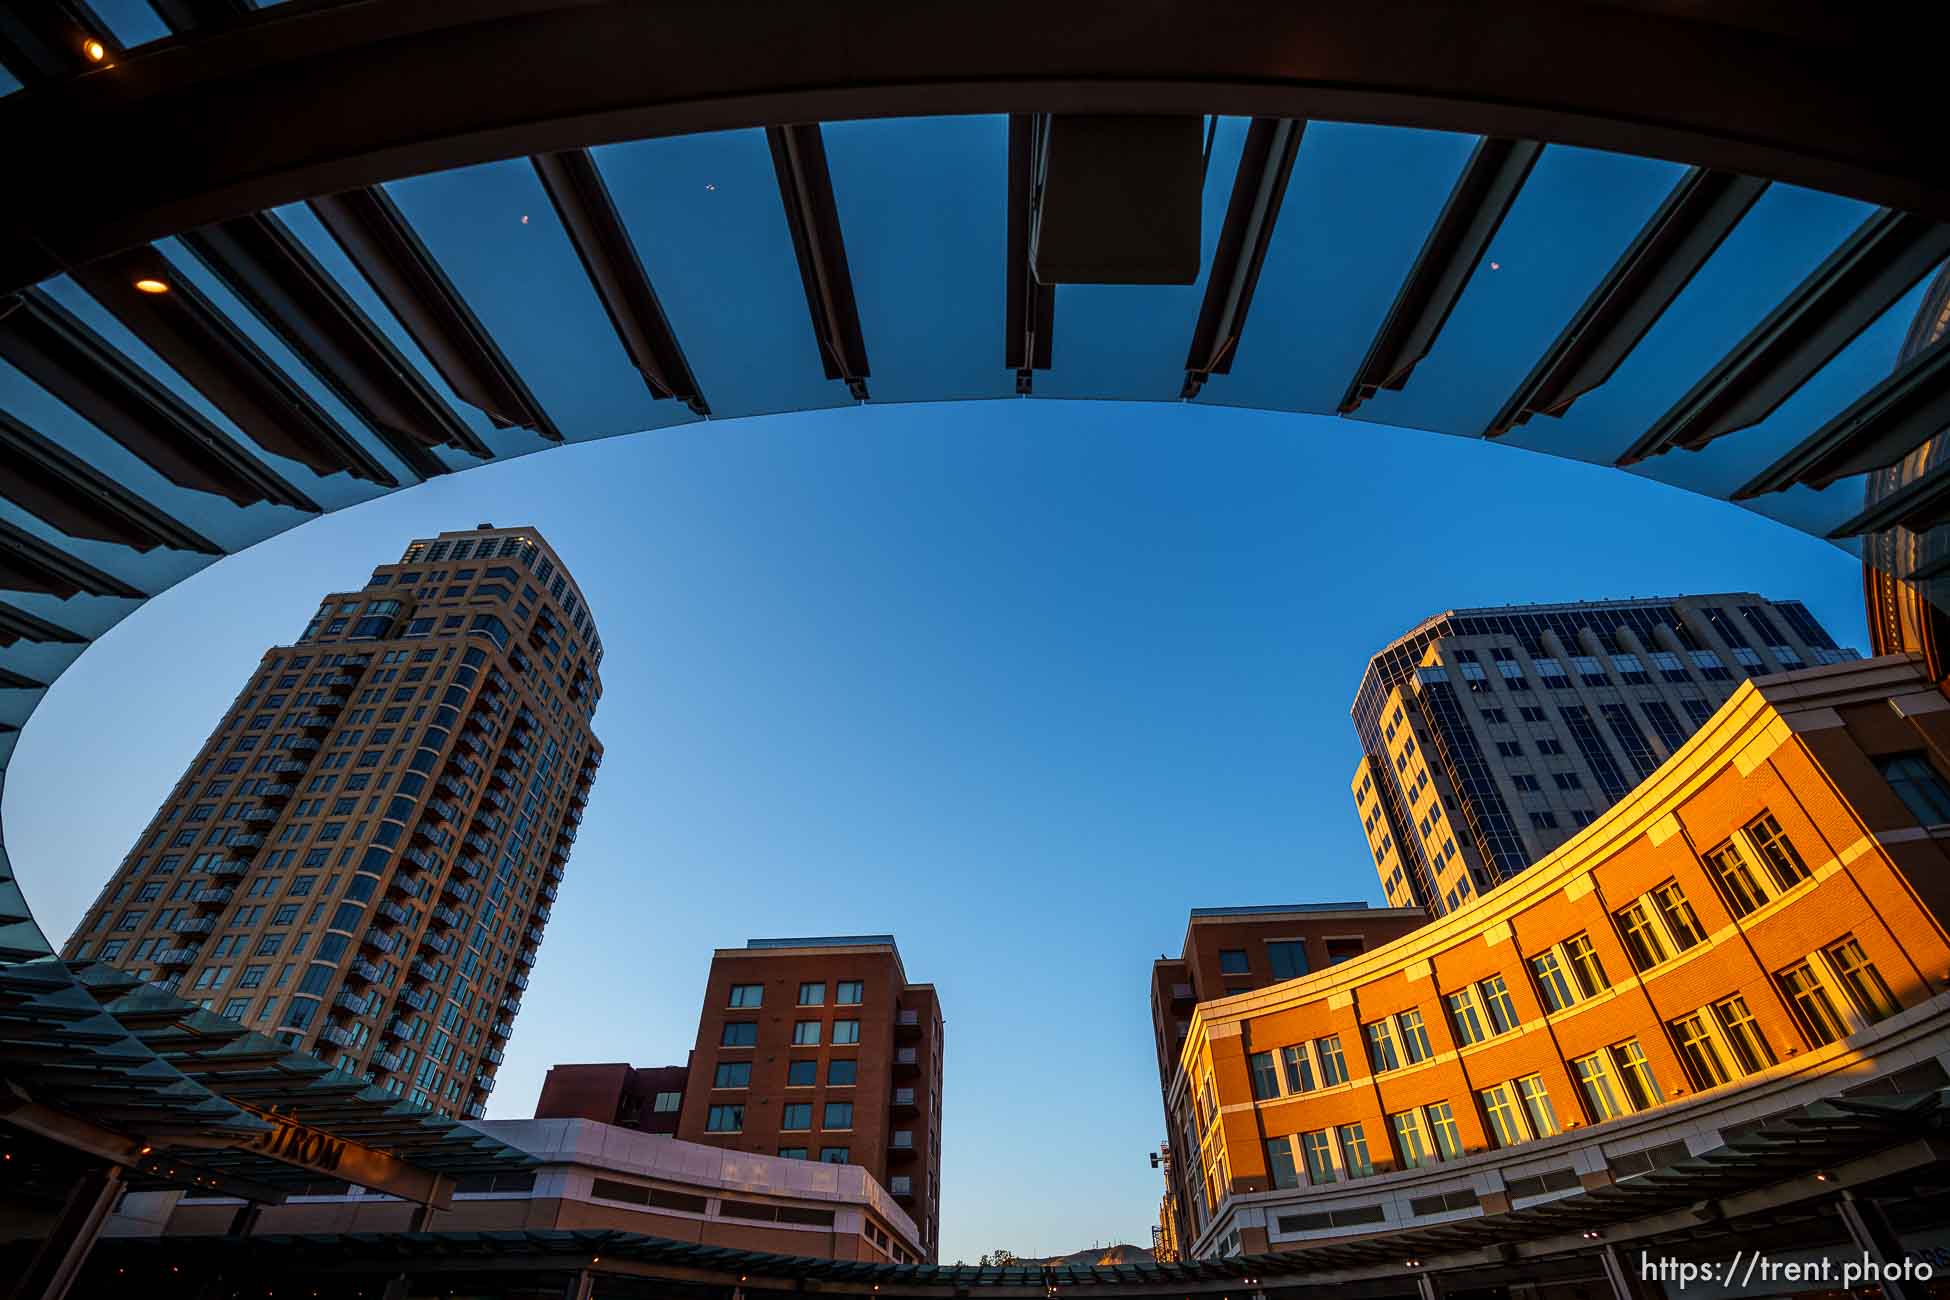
[[1019, 682]]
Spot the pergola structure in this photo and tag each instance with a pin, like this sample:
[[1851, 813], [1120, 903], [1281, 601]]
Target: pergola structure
[[261, 263]]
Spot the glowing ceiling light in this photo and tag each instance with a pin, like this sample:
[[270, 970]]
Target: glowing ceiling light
[[94, 49], [151, 286]]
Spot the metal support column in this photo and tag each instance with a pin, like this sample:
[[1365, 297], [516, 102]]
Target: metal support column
[[1427, 1288], [72, 1237], [1869, 1228], [1625, 1273]]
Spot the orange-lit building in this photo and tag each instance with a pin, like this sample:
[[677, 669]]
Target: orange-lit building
[[1758, 925]]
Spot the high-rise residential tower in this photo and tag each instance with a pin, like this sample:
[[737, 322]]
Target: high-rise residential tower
[[1491, 736], [361, 857], [820, 1049]]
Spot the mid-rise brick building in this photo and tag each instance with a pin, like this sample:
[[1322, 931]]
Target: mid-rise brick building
[[362, 856], [821, 1049], [647, 1100]]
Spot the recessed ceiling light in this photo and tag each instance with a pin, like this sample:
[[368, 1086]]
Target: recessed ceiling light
[[94, 49], [151, 286]]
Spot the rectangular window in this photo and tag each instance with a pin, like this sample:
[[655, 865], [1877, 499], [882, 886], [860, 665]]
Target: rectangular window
[[1861, 981], [812, 995], [725, 1119], [1602, 1096], [1412, 1149], [795, 1116], [1738, 884], [1641, 938], [1635, 1074], [1443, 1130], [1279, 1161], [747, 995], [1705, 1066], [1586, 969], [792, 1153], [1743, 1036], [839, 1115], [1232, 961], [1783, 863], [801, 1074], [668, 1103], [1681, 923], [845, 1032], [849, 993], [1496, 1000], [805, 1033], [1500, 1114], [1553, 984], [834, 1155], [1537, 1106], [733, 1074], [1382, 1053], [1288, 958], [844, 1073], [1266, 1082], [1917, 784], [1414, 1036], [739, 1033], [1298, 1067], [1354, 1152], [1333, 1066], [1814, 1006], [1318, 1149], [1467, 1018]]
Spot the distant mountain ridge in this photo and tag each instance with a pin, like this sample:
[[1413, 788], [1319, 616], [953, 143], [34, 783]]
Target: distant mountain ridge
[[1099, 1256]]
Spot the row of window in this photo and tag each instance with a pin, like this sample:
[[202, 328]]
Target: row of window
[[794, 1116], [805, 1033], [846, 993], [798, 1074]]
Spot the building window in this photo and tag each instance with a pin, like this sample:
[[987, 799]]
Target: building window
[[1783, 863], [1412, 1149], [839, 1115], [834, 1155], [812, 995], [1333, 1066], [1496, 1001], [1860, 979], [732, 1074], [1537, 1105], [1681, 922], [805, 1033], [739, 1033], [725, 1119], [1298, 1067], [842, 1074], [1738, 884], [1635, 1074], [849, 993], [668, 1103], [1814, 1007], [1443, 1130], [1553, 984], [1466, 1017], [1279, 1162], [845, 1032], [1586, 969], [1917, 784], [1742, 1034], [795, 1116], [1288, 958], [1266, 1082], [1383, 1055], [792, 1153], [747, 995], [801, 1074], [1414, 1036], [1699, 1052], [1642, 941], [1232, 961], [1354, 1152], [1318, 1151], [1500, 1113], [1602, 1096]]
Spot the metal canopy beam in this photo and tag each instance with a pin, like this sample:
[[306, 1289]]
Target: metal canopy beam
[[1918, 505], [1699, 213], [18, 625], [44, 40], [219, 360], [190, 15], [279, 280], [1876, 431], [1029, 322], [813, 216], [1481, 198], [29, 564], [61, 354], [1259, 187], [389, 253], [53, 484], [616, 272], [519, 77], [1874, 266]]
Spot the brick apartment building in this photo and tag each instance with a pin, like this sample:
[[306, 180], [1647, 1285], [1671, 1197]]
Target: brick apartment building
[[647, 1100], [820, 1049], [1759, 925]]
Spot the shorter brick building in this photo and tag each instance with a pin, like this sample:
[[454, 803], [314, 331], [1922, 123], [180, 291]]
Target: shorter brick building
[[1759, 925], [647, 1100], [821, 1049]]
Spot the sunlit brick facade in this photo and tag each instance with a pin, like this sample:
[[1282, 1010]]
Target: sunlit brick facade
[[1758, 925], [362, 857]]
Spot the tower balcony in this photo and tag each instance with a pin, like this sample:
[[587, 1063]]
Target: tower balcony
[[379, 941], [289, 767], [448, 917], [903, 1102], [496, 798], [541, 912], [355, 1003], [245, 844], [900, 1145], [407, 886], [361, 970], [519, 980], [478, 843], [907, 1024], [459, 890], [416, 999], [421, 859], [555, 871], [447, 812], [424, 971], [502, 1030], [314, 722], [488, 820], [526, 957], [229, 867], [474, 744], [534, 933], [331, 700], [550, 891], [400, 1029], [277, 792], [484, 1082], [338, 1035], [440, 943], [389, 1062], [902, 1187], [306, 745], [194, 925], [511, 1005], [459, 762], [494, 1056], [342, 679], [394, 912], [506, 780], [472, 869], [175, 956], [213, 896], [907, 1060], [260, 816], [453, 787]]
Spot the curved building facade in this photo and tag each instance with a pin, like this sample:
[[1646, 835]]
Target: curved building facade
[[1758, 925]]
